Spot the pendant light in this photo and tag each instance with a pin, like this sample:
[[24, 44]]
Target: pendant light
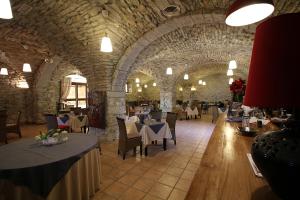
[[22, 84], [139, 89], [137, 80], [230, 81], [145, 86], [203, 83], [154, 84], [200, 82], [4, 71], [26, 67], [229, 72], [5, 9], [180, 89], [169, 71], [193, 88], [232, 64], [105, 45], [186, 76], [245, 12], [137, 85]]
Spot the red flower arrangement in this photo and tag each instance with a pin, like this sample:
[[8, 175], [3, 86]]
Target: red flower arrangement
[[238, 88]]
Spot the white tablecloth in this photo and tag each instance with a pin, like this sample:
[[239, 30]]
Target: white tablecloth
[[148, 135], [191, 112]]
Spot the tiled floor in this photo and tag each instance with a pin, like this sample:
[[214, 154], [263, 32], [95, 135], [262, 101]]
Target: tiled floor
[[161, 175]]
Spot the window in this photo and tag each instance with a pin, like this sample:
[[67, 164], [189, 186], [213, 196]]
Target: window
[[77, 96]]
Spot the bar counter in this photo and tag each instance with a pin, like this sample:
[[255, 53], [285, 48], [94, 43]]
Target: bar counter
[[225, 172]]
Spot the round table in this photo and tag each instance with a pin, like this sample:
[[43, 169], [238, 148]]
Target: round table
[[29, 164]]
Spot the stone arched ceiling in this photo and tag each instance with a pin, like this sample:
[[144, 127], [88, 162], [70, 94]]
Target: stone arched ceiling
[[209, 17], [72, 28], [196, 47]]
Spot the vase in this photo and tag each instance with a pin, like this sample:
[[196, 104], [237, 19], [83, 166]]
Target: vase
[[277, 156]]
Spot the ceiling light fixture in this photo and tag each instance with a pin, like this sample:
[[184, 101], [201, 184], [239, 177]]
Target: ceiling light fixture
[[22, 84], [245, 12], [106, 45], [193, 88], [137, 85], [186, 76], [137, 80], [145, 86], [169, 71], [5, 9], [4, 71], [229, 72], [230, 81], [203, 83], [200, 82], [154, 84], [180, 89], [139, 89], [26, 67], [232, 64]]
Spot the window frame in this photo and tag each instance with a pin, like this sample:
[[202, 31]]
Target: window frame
[[76, 99]]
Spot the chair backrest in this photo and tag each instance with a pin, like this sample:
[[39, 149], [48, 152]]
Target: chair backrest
[[171, 119], [3, 118], [156, 115], [122, 129], [51, 121]]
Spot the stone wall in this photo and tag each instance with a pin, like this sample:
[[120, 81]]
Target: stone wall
[[216, 89]]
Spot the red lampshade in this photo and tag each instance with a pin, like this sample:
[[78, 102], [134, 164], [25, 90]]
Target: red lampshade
[[274, 74]]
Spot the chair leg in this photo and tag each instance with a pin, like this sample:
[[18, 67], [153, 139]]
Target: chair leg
[[165, 144], [141, 149], [118, 152], [146, 151], [124, 154], [134, 151]]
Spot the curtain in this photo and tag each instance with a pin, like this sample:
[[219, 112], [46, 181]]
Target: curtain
[[65, 88]]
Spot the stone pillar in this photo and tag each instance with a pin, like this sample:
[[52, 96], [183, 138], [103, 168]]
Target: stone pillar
[[167, 100], [116, 106]]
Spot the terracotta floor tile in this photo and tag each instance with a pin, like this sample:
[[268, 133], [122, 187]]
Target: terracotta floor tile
[[168, 180], [129, 179], [116, 189], [183, 184], [161, 191], [188, 175], [192, 167], [138, 170], [175, 171], [132, 194], [144, 184], [150, 197], [152, 174], [102, 196], [105, 182], [177, 195]]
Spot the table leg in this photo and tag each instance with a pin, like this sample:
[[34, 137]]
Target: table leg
[[146, 151], [165, 144]]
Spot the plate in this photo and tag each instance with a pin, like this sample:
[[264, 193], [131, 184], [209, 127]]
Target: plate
[[247, 132]]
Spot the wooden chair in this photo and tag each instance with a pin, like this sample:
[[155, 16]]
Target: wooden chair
[[3, 118], [171, 120], [127, 142], [15, 128], [199, 107], [156, 115]]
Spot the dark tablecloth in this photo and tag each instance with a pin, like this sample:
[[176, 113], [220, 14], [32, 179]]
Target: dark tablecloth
[[39, 168]]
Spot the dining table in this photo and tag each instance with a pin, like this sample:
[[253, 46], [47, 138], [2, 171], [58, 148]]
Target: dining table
[[75, 122], [69, 171], [151, 131]]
